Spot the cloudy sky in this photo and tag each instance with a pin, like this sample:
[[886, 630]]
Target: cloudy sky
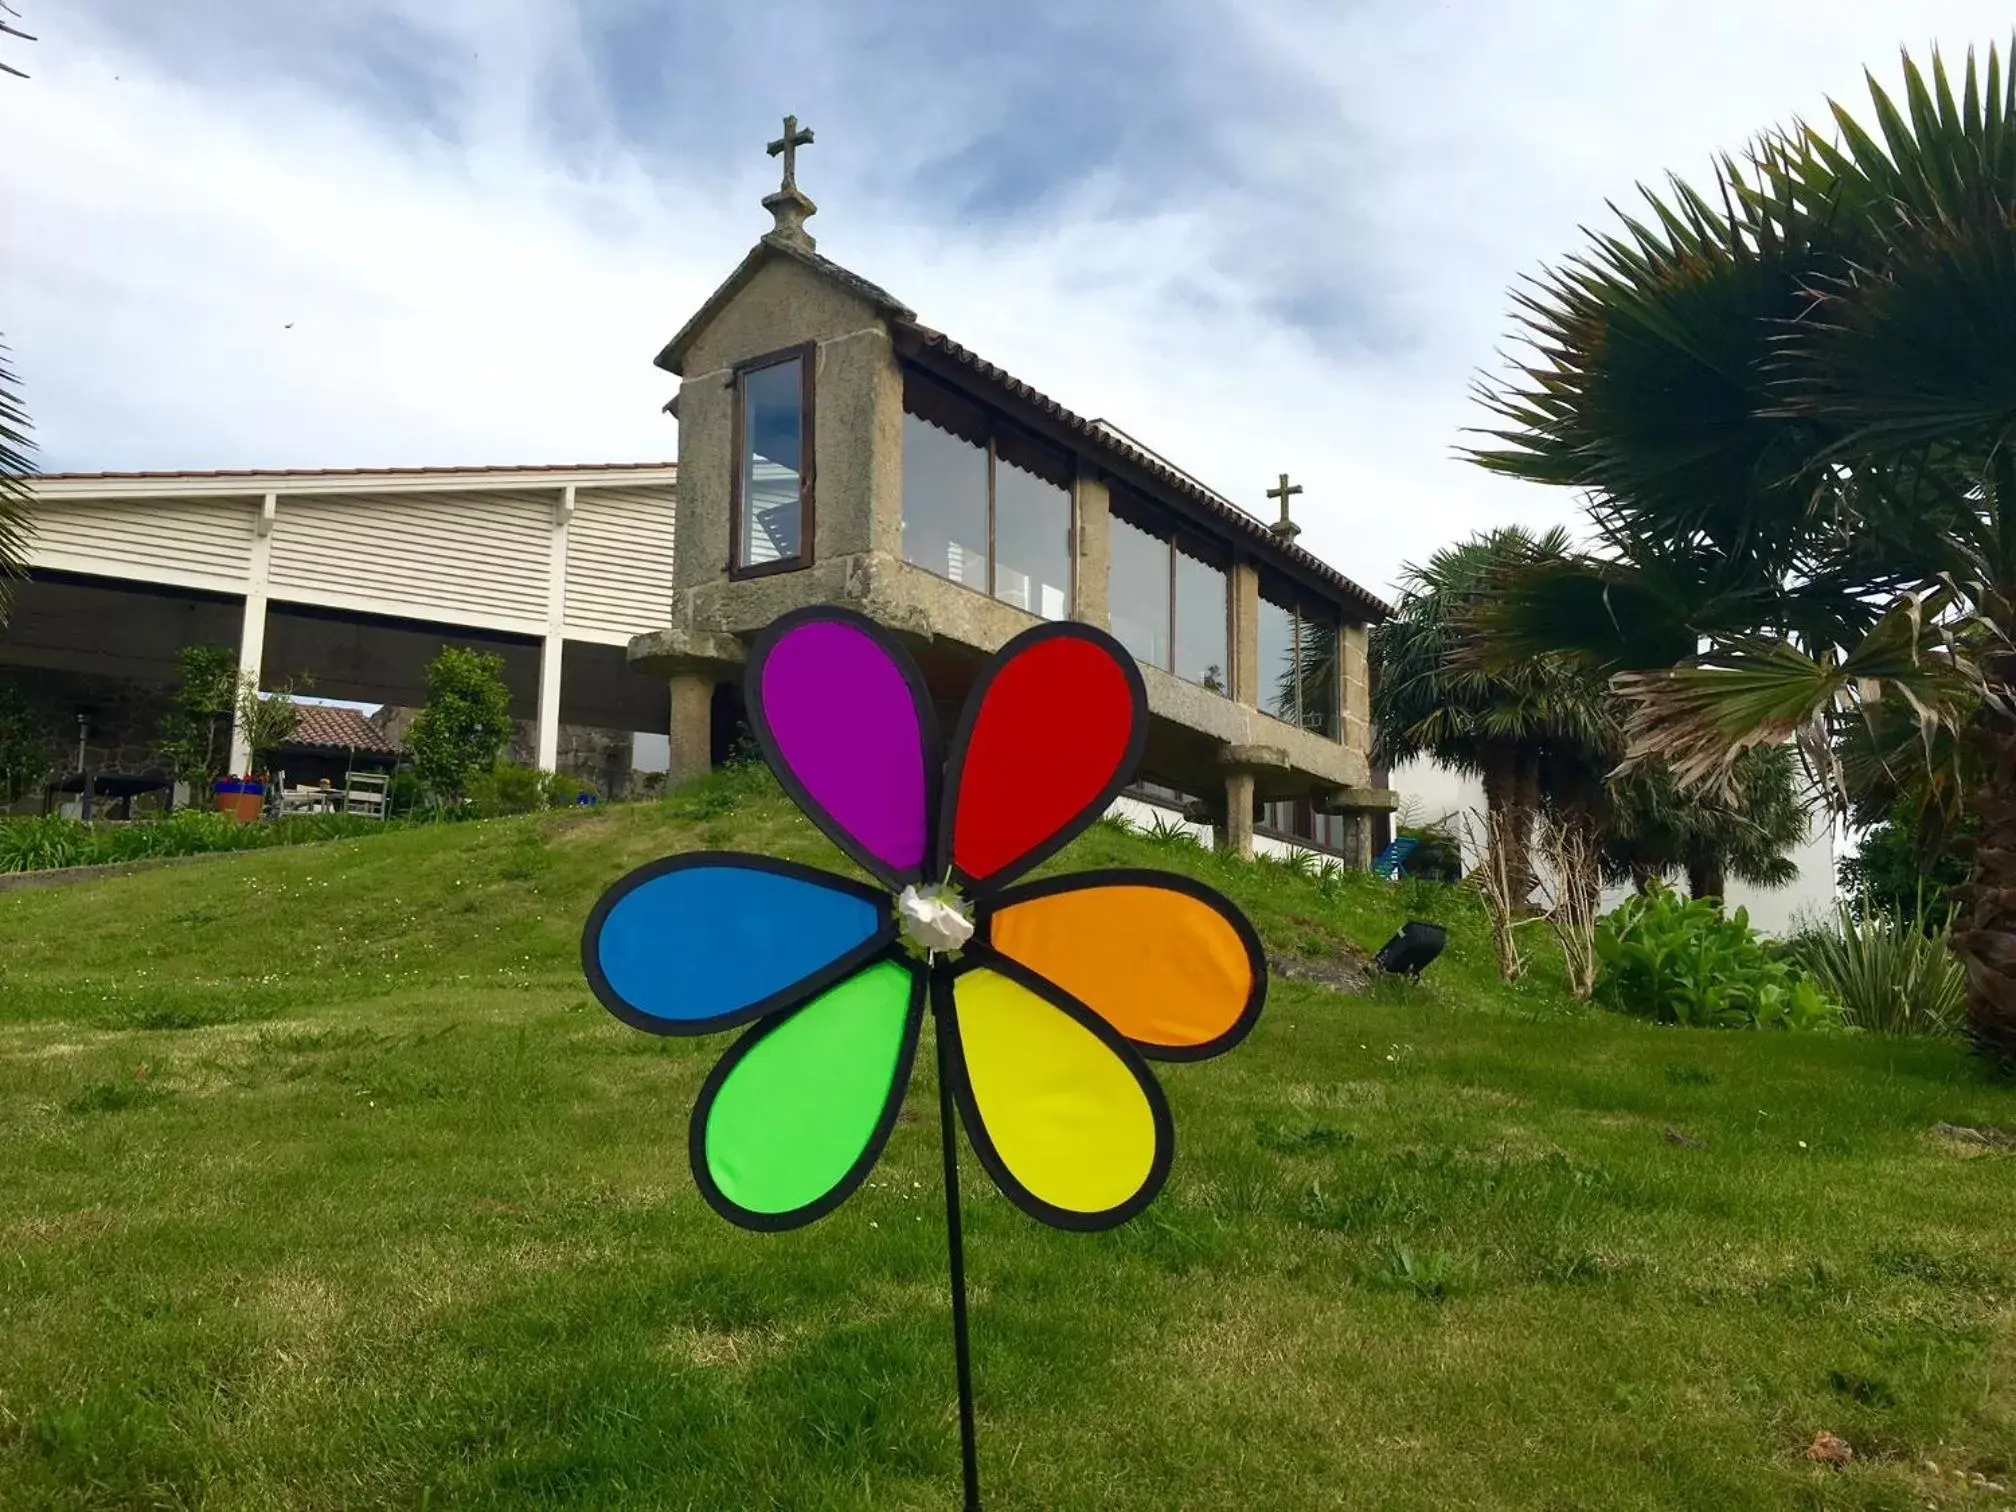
[[1258, 234]]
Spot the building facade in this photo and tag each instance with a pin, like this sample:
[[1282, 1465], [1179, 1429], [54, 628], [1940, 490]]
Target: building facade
[[832, 449], [348, 582]]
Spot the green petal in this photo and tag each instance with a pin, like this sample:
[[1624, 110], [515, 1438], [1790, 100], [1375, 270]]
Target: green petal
[[799, 1108]]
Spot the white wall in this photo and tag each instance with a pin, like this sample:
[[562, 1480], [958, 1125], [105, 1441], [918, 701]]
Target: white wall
[[1430, 792]]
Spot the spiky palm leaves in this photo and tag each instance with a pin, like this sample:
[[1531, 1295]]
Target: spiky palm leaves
[[1536, 731], [1792, 406]]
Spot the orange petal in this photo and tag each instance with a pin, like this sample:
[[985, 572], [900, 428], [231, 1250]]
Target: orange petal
[[1168, 962]]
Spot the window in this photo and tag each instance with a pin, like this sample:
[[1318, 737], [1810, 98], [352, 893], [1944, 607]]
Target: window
[[771, 494], [1296, 819], [1169, 604], [1203, 623], [1298, 667], [1139, 603], [983, 504]]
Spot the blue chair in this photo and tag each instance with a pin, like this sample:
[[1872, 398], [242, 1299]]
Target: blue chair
[[1393, 859]]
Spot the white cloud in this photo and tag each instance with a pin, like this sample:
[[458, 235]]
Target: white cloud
[[265, 271]]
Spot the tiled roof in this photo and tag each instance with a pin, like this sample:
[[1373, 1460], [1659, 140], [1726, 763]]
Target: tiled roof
[[1106, 438], [372, 472], [321, 727]]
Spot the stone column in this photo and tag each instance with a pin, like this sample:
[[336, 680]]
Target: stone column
[[1241, 766], [691, 734], [693, 663], [1237, 834], [1355, 675], [1092, 557], [1246, 634]]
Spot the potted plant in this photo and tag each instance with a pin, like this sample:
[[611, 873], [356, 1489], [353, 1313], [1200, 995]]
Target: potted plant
[[243, 798]]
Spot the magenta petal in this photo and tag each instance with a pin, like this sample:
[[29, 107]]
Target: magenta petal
[[845, 720]]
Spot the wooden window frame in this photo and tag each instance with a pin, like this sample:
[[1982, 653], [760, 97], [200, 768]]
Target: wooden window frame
[[805, 352]]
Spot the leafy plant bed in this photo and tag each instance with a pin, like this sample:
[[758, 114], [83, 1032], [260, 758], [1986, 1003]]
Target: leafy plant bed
[[52, 844]]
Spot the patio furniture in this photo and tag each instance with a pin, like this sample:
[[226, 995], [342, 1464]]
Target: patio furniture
[[1392, 859], [319, 799], [367, 793], [119, 787]]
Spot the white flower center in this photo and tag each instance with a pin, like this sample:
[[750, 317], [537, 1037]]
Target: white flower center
[[934, 918]]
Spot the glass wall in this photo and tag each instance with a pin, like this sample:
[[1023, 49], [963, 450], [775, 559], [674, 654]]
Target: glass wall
[[1138, 602], [1032, 528], [1296, 819], [944, 503], [1203, 623], [771, 492], [983, 504], [1316, 659], [1298, 667], [1279, 689]]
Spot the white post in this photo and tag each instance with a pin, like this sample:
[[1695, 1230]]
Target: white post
[[252, 635], [551, 652]]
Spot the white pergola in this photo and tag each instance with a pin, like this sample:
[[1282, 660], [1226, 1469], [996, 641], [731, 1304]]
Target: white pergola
[[551, 553]]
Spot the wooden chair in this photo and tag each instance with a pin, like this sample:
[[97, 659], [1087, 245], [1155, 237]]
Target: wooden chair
[[367, 793]]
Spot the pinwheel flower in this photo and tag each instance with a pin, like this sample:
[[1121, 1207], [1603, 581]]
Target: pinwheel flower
[[1049, 996]]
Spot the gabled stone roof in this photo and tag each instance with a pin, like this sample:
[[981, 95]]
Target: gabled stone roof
[[673, 358]]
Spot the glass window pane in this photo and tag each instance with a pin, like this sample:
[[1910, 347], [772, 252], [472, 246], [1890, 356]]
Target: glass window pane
[[1139, 602], [773, 423], [1203, 601], [1317, 657], [1277, 660], [1032, 530], [944, 503]]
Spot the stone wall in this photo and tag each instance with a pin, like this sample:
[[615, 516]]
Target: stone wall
[[598, 758], [123, 717]]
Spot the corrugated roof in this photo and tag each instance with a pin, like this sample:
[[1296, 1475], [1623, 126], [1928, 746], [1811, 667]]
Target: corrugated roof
[[321, 727], [1111, 440], [366, 472]]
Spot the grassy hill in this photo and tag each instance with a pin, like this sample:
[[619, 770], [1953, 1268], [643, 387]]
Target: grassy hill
[[326, 1184]]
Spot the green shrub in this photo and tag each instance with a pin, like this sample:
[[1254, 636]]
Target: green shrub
[[462, 730], [511, 789], [1891, 974], [1683, 961], [1437, 854], [44, 844], [48, 843]]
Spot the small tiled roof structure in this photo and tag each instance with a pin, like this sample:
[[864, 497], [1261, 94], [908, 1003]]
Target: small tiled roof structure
[[319, 727]]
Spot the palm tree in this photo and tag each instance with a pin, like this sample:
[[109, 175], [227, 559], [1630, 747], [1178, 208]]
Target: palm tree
[[1792, 406], [14, 442], [1537, 733], [1657, 827]]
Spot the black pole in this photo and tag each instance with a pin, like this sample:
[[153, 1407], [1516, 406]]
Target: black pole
[[955, 1241]]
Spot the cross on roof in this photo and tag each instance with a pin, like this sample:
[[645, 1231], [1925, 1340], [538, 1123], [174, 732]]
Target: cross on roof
[[1284, 492], [788, 144]]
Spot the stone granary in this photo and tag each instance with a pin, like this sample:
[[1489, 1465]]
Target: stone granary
[[833, 449]]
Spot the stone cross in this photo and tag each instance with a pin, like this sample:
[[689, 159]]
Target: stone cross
[[788, 144], [1284, 527]]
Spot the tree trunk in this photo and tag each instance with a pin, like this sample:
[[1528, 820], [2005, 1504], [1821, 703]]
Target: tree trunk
[[1984, 929], [1510, 787], [1643, 875], [1706, 879]]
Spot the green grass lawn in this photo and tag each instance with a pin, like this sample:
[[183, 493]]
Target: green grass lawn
[[324, 1183]]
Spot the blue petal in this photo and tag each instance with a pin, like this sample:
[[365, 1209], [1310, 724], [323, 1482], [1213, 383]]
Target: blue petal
[[699, 942]]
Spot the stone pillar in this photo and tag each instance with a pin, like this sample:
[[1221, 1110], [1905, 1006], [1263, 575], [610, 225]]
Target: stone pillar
[[691, 735], [1092, 557], [1237, 834], [1355, 676], [1246, 634]]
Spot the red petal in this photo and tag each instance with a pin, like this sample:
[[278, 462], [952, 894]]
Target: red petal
[[1057, 732]]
